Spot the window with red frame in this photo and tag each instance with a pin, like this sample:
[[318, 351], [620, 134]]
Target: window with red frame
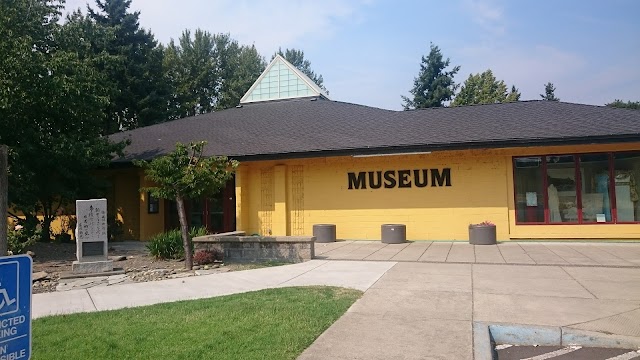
[[598, 188]]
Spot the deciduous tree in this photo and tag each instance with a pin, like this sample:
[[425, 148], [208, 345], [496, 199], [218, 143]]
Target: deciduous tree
[[434, 85], [296, 58], [52, 103], [208, 72], [484, 89], [186, 174]]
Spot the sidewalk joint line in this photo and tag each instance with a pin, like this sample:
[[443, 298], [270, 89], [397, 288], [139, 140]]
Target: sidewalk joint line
[[380, 277], [297, 276], [91, 298], [337, 247], [604, 317], [610, 253], [579, 283], [448, 252]]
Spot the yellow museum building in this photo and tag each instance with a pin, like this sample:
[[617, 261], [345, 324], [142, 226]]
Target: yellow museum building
[[536, 169]]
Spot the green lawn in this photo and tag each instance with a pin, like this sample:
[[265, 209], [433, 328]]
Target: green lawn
[[267, 324]]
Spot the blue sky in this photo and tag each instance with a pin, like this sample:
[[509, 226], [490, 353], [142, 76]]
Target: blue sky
[[369, 51]]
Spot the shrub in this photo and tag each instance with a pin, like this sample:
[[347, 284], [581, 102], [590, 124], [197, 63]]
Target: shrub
[[203, 257], [18, 239], [168, 245]]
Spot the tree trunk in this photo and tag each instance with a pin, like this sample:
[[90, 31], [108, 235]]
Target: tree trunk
[[4, 188], [184, 229]]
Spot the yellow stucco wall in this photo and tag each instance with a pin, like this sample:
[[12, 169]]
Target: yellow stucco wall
[[124, 200], [150, 224], [287, 197]]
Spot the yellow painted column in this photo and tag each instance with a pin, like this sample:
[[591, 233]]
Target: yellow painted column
[[242, 200], [279, 219]]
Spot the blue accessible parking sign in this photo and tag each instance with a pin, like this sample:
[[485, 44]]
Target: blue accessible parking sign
[[15, 307]]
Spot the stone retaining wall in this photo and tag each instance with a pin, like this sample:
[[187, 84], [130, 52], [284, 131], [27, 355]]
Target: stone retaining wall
[[258, 248]]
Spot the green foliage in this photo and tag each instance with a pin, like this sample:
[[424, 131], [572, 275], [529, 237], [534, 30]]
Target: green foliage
[[633, 105], [186, 173], [484, 89], [208, 72], [239, 67], [131, 62], [19, 239], [549, 92], [433, 86], [52, 104], [168, 245], [274, 324], [296, 58]]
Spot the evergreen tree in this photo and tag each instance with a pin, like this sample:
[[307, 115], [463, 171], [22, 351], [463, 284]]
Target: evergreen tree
[[549, 92], [433, 86], [138, 94], [484, 89], [296, 58]]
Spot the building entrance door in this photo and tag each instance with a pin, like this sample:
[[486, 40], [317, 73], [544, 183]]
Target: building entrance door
[[217, 213]]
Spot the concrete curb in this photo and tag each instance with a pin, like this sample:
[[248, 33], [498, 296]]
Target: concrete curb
[[485, 335]]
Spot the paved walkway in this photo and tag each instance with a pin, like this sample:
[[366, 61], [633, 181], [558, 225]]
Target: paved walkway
[[418, 309], [353, 274], [526, 253], [426, 311]]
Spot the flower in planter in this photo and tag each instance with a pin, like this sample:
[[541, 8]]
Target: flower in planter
[[485, 223]]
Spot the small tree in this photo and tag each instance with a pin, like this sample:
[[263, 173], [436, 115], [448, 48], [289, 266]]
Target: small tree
[[484, 88], [634, 105], [434, 85], [549, 92], [186, 174]]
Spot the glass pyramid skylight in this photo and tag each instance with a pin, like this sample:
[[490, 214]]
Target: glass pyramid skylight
[[281, 80]]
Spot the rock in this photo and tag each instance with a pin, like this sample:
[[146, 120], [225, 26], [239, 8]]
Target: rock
[[215, 266], [212, 271], [196, 267], [40, 275], [118, 258], [206, 267], [31, 253]]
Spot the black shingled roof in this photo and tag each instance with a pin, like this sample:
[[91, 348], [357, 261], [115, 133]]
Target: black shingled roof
[[306, 128]]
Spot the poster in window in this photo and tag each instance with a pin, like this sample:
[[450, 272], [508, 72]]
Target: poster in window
[[532, 199]]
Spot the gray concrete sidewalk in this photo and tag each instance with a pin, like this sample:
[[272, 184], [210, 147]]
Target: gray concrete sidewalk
[[426, 311], [359, 275], [410, 310], [535, 253]]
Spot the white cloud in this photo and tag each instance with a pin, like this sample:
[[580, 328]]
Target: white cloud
[[267, 24], [489, 14]]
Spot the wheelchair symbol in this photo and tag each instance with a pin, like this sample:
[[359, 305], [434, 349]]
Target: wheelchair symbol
[[5, 300]]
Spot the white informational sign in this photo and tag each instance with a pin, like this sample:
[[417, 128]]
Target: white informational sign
[[532, 199]]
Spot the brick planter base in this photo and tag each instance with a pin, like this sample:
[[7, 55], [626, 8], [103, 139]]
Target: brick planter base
[[258, 248]]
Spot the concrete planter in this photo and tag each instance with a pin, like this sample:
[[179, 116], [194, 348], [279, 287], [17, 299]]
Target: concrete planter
[[482, 234], [393, 233], [324, 233]]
